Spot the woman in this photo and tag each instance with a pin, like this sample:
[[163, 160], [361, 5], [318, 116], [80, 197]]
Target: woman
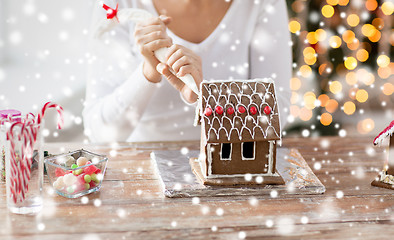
[[127, 98]]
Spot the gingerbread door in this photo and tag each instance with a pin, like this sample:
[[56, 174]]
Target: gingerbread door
[[240, 158]]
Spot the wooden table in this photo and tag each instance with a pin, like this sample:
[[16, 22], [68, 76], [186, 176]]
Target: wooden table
[[130, 204]]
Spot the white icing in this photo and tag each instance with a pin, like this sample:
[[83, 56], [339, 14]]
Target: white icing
[[209, 157], [223, 93], [384, 135], [386, 178], [271, 157], [136, 15], [242, 175]]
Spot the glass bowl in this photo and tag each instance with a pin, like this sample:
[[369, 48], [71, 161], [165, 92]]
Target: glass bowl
[[76, 173]]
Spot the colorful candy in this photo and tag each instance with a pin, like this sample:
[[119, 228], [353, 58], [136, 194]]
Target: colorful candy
[[78, 172], [84, 176], [87, 178], [69, 179], [81, 161]]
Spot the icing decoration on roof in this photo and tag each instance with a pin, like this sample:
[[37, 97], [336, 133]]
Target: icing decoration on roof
[[388, 131], [251, 122]]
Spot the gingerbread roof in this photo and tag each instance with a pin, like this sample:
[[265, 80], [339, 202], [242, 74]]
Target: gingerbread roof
[[239, 110], [388, 131]]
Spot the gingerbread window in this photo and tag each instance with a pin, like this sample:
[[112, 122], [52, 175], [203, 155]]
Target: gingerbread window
[[248, 150], [225, 153]]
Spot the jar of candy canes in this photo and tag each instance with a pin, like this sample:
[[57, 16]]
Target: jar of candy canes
[[6, 117], [24, 167]]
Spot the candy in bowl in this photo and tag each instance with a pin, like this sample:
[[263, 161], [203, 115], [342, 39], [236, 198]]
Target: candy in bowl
[[76, 173]]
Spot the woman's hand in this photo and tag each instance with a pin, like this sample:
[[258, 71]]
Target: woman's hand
[[150, 36], [182, 61]]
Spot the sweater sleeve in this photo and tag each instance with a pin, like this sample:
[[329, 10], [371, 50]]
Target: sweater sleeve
[[270, 51], [117, 91]]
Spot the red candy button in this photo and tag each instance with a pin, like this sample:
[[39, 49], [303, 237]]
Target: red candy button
[[267, 110], [230, 110], [219, 110], [253, 110], [241, 109], [208, 112]]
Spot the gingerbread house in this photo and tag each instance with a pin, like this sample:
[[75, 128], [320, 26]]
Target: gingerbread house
[[239, 132], [386, 177]]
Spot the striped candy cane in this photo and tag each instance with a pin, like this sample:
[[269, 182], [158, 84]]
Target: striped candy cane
[[59, 110], [27, 150], [29, 128], [14, 178]]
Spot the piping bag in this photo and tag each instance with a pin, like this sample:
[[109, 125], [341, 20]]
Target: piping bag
[[136, 15]]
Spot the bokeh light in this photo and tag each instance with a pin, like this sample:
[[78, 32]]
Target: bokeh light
[[365, 76], [378, 23], [348, 36], [362, 95], [350, 63], [309, 100], [351, 78], [295, 84], [349, 107], [343, 2], [384, 72], [365, 126], [353, 20], [294, 26], [388, 8], [332, 2], [331, 105], [362, 55], [327, 11], [388, 89], [312, 37], [368, 30], [321, 34], [383, 61], [305, 71], [326, 119], [335, 87], [335, 42], [343, 62], [305, 114], [323, 99], [371, 5]]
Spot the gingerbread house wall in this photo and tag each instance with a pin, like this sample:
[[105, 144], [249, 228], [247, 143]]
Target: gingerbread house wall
[[390, 169], [264, 162]]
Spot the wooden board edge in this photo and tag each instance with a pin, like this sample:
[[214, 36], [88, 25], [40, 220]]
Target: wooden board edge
[[237, 181], [380, 184]]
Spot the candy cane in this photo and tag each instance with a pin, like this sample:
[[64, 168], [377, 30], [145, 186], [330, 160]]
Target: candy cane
[[28, 151], [29, 127], [21, 171], [14, 178], [136, 15], [26, 160], [59, 110]]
